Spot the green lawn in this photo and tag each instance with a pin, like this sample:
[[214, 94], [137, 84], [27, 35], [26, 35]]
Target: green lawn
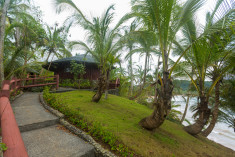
[[121, 116]]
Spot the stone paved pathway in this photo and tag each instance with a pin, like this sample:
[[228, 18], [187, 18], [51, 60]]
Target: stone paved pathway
[[41, 133]]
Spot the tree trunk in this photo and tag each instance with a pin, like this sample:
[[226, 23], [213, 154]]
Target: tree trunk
[[162, 104], [132, 79], [48, 57], [145, 71], [2, 36], [107, 85], [215, 112], [204, 114], [41, 72], [101, 86], [185, 110], [144, 80], [50, 62]]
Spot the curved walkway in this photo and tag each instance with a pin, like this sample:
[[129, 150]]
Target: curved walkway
[[41, 133]]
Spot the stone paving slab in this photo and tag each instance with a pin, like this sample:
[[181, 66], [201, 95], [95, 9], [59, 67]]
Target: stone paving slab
[[55, 141], [30, 114]]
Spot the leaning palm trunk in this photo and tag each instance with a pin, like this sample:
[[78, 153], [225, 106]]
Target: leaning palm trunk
[[185, 110], [144, 81], [204, 114], [145, 72], [2, 36], [215, 113], [101, 86], [162, 104]]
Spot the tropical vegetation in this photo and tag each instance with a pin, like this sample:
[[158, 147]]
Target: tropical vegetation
[[180, 57]]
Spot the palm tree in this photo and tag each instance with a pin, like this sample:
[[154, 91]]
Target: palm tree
[[18, 21], [204, 53], [55, 42], [2, 36], [221, 58], [103, 42], [130, 45], [147, 41], [20, 51], [165, 18]]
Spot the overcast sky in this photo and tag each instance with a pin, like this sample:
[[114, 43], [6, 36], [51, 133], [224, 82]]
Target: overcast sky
[[96, 8]]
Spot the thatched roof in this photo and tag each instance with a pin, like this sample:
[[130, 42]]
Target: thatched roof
[[81, 59]]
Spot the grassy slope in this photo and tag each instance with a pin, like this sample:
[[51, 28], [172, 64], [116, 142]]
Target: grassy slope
[[121, 116]]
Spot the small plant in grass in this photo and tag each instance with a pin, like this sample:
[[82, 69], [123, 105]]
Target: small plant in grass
[[95, 129], [174, 114], [3, 147]]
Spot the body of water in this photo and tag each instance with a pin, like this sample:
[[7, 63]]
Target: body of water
[[221, 133]]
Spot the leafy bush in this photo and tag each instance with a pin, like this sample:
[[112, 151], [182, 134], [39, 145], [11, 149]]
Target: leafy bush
[[174, 114], [85, 84], [70, 83], [3, 147]]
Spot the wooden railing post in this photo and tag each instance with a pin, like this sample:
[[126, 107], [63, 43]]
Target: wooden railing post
[[34, 78], [57, 81]]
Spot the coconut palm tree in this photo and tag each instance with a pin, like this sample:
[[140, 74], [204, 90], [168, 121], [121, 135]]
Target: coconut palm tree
[[19, 29], [146, 41], [203, 54], [165, 18], [103, 43], [221, 58], [129, 42], [55, 42], [20, 51]]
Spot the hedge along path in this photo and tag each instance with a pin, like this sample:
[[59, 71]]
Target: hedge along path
[[99, 150]]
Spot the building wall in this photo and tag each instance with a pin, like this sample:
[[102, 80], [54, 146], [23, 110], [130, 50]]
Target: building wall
[[91, 74]]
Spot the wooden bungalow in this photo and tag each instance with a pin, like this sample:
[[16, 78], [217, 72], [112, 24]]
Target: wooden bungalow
[[62, 67]]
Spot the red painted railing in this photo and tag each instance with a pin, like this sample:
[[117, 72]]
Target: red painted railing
[[10, 132]]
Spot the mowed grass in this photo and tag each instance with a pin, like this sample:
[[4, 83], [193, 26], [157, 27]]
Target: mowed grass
[[121, 116]]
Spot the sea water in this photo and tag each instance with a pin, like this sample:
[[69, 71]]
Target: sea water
[[221, 133]]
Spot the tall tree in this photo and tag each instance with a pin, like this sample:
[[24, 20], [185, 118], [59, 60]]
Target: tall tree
[[103, 43], [165, 18], [204, 53], [129, 42], [146, 41], [2, 36], [55, 42]]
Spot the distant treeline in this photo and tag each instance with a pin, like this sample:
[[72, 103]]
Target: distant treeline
[[184, 84]]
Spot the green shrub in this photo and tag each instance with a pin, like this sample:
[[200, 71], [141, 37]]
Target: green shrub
[[70, 83], [85, 84], [3, 147]]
